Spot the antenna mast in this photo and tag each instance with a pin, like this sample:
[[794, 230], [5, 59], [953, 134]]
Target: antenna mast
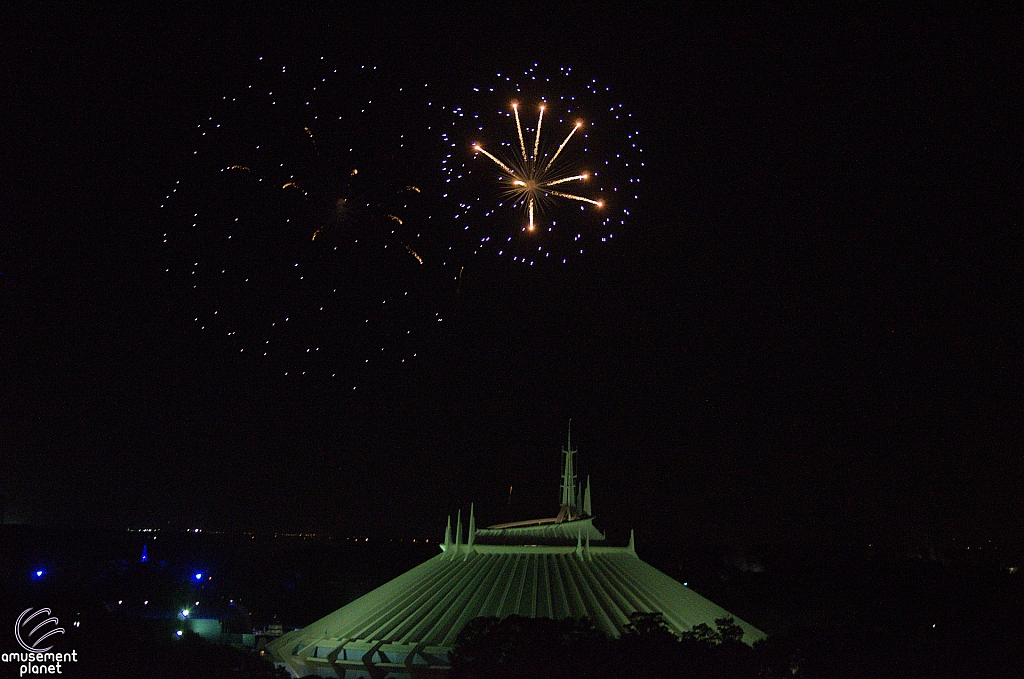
[[569, 474]]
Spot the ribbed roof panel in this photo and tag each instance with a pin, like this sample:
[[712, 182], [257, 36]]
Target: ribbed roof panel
[[429, 605]]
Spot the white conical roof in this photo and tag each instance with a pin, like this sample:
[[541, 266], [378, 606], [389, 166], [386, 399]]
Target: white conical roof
[[413, 620], [542, 568]]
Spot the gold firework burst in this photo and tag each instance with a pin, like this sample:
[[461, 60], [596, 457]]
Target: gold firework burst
[[531, 177]]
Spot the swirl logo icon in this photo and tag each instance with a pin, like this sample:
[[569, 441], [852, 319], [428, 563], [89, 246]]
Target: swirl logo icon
[[31, 630]]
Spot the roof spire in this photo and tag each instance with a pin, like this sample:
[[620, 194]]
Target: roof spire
[[458, 532], [587, 511], [569, 473], [471, 538]]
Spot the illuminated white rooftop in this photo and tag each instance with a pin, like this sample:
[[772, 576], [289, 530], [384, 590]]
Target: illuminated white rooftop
[[545, 568]]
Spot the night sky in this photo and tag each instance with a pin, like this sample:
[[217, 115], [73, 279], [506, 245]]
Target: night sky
[[809, 326]]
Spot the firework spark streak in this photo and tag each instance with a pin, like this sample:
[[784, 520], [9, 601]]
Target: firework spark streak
[[532, 176]]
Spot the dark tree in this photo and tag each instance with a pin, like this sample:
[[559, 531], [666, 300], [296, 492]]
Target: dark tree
[[529, 647]]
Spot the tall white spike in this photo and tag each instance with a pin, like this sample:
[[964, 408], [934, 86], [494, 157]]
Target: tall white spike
[[458, 532], [472, 529], [568, 472], [587, 511], [448, 534]]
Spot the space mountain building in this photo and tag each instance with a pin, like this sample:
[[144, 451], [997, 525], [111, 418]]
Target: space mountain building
[[557, 567]]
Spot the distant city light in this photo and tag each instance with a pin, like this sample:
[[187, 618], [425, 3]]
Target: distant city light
[[199, 576], [178, 633], [39, 573], [184, 612]]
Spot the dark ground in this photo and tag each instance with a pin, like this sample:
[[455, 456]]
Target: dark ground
[[894, 606]]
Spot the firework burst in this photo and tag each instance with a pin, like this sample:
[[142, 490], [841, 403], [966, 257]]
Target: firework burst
[[295, 239], [567, 179], [531, 178]]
